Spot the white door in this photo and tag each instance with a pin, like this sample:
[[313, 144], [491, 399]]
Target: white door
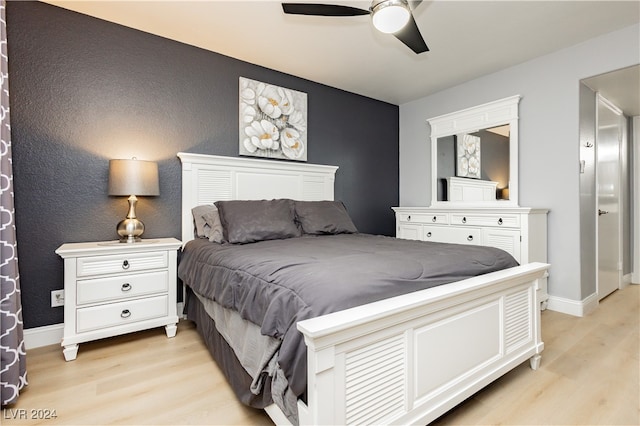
[[608, 143]]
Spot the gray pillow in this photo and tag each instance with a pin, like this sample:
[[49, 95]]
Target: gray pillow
[[251, 221], [212, 218], [202, 229], [324, 217]]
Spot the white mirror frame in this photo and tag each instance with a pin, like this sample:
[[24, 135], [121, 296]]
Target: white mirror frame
[[470, 120]]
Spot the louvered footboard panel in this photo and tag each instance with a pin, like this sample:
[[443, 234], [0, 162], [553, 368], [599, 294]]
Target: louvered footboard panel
[[375, 384], [518, 323], [413, 364]]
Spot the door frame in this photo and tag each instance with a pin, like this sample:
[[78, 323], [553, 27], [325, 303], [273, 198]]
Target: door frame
[[635, 147], [618, 111]]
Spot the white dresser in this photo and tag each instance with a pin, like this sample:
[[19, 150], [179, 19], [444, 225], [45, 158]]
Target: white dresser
[[113, 288], [520, 231]]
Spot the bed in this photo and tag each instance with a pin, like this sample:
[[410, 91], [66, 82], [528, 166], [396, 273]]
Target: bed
[[403, 359]]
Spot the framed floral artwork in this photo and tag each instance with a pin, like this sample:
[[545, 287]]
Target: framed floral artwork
[[468, 156], [273, 121]]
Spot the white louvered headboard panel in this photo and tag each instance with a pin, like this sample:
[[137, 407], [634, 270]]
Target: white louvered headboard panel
[[210, 178]]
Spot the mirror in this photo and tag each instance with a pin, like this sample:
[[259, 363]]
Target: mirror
[[474, 155]]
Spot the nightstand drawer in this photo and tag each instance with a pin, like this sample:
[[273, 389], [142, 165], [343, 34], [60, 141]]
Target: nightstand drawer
[[121, 313], [121, 287], [130, 262]]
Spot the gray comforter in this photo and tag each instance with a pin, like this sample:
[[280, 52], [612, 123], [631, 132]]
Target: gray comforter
[[277, 283]]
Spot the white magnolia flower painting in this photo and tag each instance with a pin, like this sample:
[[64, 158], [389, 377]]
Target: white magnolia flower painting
[[468, 154], [273, 121]]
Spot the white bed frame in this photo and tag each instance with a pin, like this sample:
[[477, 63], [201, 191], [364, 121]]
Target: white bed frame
[[404, 360]]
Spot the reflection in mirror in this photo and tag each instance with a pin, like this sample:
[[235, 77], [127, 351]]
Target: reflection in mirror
[[453, 160]]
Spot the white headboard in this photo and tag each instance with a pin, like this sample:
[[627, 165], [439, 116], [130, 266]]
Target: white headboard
[[210, 178]]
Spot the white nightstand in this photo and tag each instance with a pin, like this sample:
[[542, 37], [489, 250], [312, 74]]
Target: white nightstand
[[114, 288]]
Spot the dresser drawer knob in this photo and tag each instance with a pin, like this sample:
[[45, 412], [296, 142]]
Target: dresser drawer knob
[[409, 218], [470, 238], [125, 264], [125, 313], [464, 220], [500, 221], [434, 219], [126, 287], [428, 234]]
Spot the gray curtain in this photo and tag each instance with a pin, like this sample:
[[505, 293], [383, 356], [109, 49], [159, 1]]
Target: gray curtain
[[13, 367]]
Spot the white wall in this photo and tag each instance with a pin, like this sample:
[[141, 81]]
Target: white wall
[[549, 138]]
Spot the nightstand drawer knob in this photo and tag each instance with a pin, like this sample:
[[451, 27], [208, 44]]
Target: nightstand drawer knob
[[434, 219], [125, 313], [500, 221], [429, 234], [126, 287], [125, 264], [464, 220], [470, 238]]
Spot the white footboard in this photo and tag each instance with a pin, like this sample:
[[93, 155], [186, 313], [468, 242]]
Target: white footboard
[[409, 359]]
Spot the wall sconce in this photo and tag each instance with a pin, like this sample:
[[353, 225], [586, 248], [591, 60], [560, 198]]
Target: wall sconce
[[132, 177]]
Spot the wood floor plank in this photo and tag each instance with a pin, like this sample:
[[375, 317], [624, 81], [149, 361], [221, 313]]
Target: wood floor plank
[[590, 374]]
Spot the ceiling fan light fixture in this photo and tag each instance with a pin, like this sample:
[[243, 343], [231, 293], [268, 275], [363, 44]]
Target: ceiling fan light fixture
[[390, 16]]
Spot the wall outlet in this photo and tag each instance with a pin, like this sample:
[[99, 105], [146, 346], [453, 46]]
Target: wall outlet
[[57, 298]]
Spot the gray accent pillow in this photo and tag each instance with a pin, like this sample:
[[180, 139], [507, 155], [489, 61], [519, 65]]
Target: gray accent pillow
[[324, 217], [202, 229], [257, 220], [212, 218]]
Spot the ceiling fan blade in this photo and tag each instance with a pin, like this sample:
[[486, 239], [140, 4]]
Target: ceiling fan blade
[[322, 9], [410, 35]]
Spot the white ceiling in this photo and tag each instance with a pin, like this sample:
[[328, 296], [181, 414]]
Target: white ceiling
[[622, 87], [467, 39]]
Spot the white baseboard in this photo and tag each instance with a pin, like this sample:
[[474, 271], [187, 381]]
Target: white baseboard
[[43, 336], [52, 334], [577, 308], [626, 280], [635, 278]]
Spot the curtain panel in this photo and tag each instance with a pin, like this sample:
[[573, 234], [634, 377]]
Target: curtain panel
[[13, 369]]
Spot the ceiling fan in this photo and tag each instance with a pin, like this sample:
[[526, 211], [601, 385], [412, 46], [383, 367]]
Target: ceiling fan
[[388, 16]]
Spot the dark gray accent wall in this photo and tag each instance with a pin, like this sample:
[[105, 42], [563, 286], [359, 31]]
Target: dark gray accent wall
[[84, 91]]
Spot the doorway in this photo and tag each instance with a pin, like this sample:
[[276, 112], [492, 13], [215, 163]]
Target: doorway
[[609, 138]]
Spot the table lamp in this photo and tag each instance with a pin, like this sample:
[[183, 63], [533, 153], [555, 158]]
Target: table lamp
[[132, 177]]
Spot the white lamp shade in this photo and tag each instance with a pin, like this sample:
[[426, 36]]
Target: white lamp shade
[[133, 177], [390, 17]]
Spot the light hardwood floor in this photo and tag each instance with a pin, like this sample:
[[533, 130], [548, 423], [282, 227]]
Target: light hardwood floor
[[589, 375]]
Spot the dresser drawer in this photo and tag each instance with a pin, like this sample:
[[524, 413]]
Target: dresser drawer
[[121, 313], [130, 262], [121, 287], [505, 221], [440, 218], [453, 234]]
